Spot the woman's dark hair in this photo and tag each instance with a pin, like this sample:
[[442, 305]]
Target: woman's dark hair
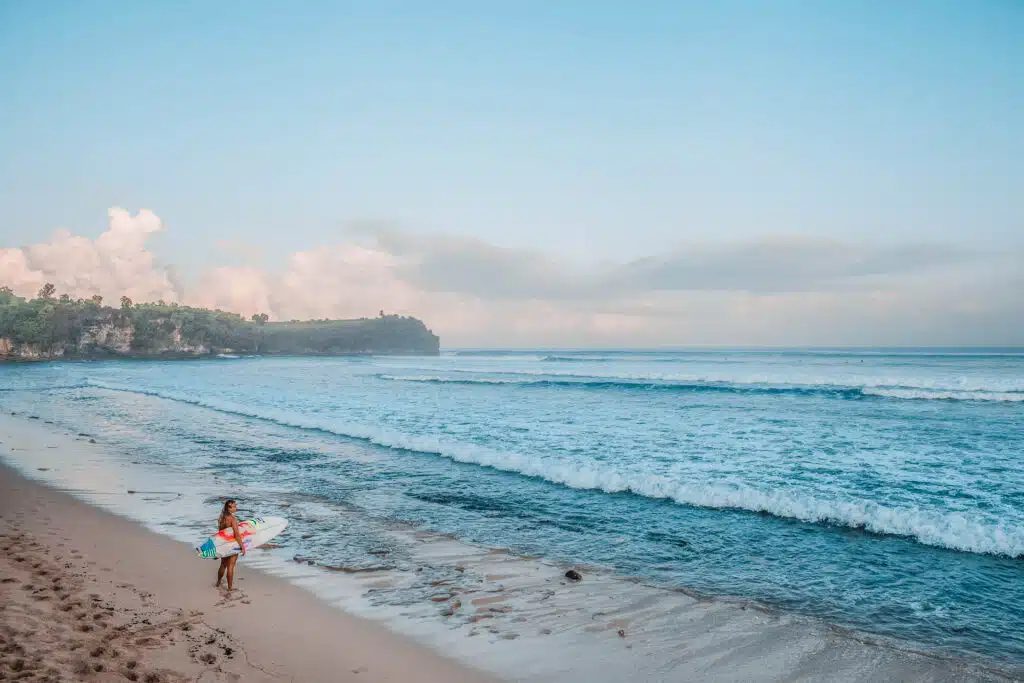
[[227, 503]]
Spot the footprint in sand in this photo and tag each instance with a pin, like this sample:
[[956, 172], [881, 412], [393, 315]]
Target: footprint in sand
[[19, 665], [80, 667]]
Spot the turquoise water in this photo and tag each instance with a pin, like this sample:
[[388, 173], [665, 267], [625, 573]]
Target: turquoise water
[[879, 490]]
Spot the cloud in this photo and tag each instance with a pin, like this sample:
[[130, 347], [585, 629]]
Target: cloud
[[780, 264], [116, 263], [789, 264], [461, 265], [778, 291]]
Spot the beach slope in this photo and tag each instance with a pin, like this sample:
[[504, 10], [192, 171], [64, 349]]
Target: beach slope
[[88, 596]]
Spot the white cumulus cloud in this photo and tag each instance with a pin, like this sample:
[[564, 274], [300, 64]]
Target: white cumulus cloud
[[114, 264]]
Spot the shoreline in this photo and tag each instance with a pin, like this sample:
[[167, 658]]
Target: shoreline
[[511, 601], [83, 588]]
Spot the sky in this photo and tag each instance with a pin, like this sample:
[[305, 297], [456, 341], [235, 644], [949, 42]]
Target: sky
[[574, 174]]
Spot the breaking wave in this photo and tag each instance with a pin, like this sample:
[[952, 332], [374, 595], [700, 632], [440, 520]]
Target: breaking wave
[[637, 385], [932, 395], [51, 387], [837, 391]]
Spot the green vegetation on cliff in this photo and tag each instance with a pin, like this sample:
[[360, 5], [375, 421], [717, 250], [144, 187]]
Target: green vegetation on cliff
[[50, 327]]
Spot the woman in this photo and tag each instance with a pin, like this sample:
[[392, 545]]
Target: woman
[[227, 564]]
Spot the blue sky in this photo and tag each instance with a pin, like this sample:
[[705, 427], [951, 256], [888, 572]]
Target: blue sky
[[590, 131]]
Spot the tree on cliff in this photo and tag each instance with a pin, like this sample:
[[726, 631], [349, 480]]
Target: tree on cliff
[[44, 328], [47, 290]]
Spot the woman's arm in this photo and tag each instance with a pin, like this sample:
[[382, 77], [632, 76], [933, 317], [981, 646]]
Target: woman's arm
[[238, 534]]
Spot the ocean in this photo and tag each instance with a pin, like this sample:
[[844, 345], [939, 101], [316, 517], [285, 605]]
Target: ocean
[[879, 490]]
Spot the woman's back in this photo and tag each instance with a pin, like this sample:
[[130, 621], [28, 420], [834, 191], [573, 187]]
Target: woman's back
[[225, 521]]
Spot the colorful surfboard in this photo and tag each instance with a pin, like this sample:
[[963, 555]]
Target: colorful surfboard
[[255, 532]]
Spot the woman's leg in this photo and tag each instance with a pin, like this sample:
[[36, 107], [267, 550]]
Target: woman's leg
[[231, 571], [220, 572]]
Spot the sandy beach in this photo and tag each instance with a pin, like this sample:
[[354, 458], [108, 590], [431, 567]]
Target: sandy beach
[[90, 596]]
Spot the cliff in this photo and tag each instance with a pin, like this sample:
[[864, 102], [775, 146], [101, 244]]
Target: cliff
[[51, 329]]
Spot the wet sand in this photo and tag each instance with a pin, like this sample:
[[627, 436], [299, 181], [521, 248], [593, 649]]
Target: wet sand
[[87, 596]]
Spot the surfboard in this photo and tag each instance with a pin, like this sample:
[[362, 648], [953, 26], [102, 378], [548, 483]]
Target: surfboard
[[255, 532]]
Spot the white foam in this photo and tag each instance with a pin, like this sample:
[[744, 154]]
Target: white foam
[[931, 395], [792, 378], [450, 380], [698, 381]]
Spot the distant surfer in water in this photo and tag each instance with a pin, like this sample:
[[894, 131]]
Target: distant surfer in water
[[227, 521]]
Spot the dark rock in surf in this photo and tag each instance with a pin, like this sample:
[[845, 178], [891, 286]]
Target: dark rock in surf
[[573, 575]]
